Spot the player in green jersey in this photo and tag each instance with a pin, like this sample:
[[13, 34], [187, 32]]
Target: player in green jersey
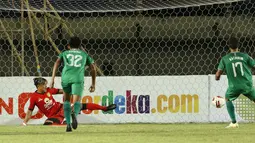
[[72, 78], [237, 66]]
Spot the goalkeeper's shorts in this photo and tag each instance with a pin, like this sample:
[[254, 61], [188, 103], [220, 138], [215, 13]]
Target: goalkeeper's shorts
[[57, 119]]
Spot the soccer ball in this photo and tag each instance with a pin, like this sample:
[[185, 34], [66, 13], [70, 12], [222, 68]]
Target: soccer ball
[[218, 101]]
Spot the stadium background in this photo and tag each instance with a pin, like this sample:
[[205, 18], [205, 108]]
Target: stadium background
[[184, 39]]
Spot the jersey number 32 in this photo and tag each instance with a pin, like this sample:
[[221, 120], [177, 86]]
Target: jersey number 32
[[74, 60]]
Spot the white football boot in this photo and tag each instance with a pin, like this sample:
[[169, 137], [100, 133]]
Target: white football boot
[[233, 125]]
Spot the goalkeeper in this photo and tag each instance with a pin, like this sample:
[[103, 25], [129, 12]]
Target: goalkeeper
[[43, 99]]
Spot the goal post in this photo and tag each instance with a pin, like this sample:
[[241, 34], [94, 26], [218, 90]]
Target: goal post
[[16, 57]]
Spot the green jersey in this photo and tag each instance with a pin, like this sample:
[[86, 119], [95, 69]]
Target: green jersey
[[237, 66], [75, 61]]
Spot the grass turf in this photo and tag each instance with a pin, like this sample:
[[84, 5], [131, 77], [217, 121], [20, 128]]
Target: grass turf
[[129, 133]]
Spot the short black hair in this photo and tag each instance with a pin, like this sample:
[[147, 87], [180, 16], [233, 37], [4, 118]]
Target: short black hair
[[233, 43], [39, 81], [75, 42]]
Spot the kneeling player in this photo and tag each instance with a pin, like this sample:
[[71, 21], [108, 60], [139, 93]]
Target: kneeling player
[[43, 99]]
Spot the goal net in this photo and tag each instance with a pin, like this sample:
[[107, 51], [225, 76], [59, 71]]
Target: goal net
[[155, 59], [109, 5]]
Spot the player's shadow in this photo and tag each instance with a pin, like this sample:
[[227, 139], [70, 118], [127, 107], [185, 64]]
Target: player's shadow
[[74, 132], [29, 133]]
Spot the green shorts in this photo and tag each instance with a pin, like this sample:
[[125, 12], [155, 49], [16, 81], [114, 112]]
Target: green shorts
[[232, 94], [73, 88]]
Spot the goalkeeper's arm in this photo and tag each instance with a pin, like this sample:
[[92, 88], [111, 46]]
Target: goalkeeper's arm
[[27, 118]]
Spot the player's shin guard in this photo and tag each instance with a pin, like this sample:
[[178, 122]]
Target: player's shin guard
[[231, 111], [77, 107], [67, 111]]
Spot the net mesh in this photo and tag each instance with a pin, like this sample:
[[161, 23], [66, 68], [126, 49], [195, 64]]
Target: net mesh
[[109, 5], [181, 41]]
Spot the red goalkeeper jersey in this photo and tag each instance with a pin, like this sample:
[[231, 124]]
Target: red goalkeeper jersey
[[45, 102]]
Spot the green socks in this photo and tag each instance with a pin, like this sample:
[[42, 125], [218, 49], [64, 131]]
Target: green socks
[[67, 111], [77, 108], [231, 111]]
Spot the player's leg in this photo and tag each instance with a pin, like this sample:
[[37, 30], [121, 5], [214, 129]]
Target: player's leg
[[67, 105], [77, 91], [250, 95], [230, 96], [48, 122], [67, 111], [54, 120], [93, 106]]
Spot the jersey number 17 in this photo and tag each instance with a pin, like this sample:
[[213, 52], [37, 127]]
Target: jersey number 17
[[235, 65]]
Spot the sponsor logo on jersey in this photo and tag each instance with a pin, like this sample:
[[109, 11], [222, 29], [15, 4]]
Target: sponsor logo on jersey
[[48, 103], [48, 94]]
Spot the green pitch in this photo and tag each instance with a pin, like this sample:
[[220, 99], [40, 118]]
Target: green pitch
[[129, 133]]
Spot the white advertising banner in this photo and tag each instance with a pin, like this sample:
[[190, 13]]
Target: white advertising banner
[[146, 99]]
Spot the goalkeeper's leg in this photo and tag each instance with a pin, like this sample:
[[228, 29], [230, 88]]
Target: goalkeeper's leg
[[93, 106], [54, 120]]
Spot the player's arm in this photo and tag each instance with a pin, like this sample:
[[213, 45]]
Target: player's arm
[[220, 70], [218, 74], [60, 91], [93, 75], [29, 111], [251, 62], [56, 65], [28, 117], [56, 91]]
